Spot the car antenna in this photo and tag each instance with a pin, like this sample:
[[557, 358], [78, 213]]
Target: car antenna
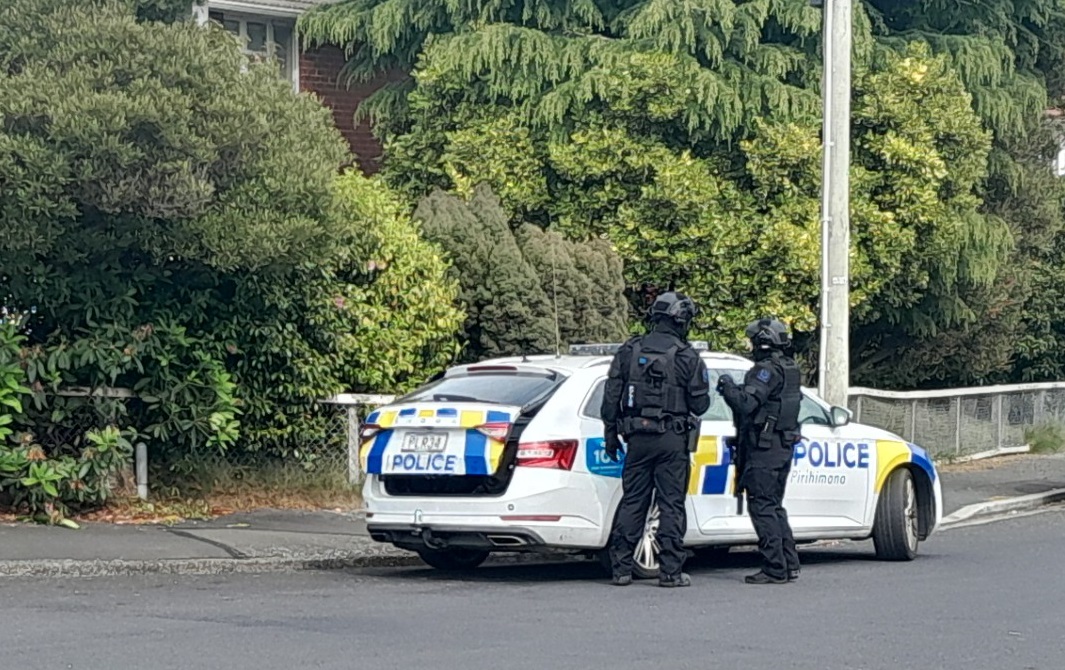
[[554, 289], [524, 344]]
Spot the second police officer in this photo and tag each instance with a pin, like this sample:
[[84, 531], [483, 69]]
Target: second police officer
[[766, 415], [656, 389]]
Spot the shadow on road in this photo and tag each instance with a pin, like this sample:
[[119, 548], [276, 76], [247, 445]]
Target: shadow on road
[[563, 570]]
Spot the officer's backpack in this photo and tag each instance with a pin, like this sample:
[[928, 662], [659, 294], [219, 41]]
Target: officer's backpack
[[654, 397]]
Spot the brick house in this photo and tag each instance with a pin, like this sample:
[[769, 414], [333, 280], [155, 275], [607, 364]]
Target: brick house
[[268, 28]]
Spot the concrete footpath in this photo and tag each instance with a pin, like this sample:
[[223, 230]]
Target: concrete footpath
[[273, 540]]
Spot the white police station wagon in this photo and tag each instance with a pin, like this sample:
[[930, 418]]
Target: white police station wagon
[[507, 455]]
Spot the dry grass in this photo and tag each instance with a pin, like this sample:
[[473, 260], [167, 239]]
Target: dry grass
[[223, 488]]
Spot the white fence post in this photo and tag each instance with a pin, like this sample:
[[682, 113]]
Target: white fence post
[[141, 467], [957, 427], [913, 421], [998, 409], [353, 444]]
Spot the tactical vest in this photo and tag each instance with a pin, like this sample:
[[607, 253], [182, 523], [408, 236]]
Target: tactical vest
[[782, 407], [655, 401]]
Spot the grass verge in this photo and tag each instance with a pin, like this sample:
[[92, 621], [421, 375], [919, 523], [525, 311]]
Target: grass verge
[[210, 490]]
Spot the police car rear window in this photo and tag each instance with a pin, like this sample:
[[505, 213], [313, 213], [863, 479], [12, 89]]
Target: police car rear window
[[503, 388]]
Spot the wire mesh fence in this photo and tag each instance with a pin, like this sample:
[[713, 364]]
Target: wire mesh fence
[[948, 423], [960, 422], [330, 452]]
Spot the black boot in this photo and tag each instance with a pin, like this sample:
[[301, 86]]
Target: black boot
[[762, 578], [673, 582]]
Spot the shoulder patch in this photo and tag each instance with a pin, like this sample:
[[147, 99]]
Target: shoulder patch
[[763, 375]]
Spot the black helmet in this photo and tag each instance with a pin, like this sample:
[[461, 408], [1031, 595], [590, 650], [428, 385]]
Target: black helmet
[[768, 334], [675, 306]]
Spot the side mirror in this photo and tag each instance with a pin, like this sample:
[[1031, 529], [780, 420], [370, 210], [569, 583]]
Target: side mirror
[[841, 416]]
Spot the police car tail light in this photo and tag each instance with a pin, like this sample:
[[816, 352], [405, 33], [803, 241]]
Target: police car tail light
[[368, 431], [557, 454], [495, 431]]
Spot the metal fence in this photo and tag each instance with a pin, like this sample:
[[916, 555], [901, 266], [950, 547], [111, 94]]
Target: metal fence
[[948, 423], [960, 422], [356, 408]]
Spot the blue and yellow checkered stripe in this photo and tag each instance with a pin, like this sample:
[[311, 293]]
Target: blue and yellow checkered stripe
[[481, 454], [710, 467]]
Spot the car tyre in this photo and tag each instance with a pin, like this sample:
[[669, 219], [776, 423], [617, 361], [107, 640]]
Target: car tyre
[[453, 560], [645, 563], [895, 531], [645, 556]]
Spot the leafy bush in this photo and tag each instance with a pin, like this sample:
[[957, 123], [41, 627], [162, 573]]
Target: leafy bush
[[12, 379], [172, 222], [49, 484], [378, 317]]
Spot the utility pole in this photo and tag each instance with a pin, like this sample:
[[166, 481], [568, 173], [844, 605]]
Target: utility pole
[[834, 364]]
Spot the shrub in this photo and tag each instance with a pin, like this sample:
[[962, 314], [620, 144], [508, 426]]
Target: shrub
[[515, 285]]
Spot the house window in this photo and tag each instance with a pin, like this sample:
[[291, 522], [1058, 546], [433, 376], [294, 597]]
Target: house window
[[264, 38]]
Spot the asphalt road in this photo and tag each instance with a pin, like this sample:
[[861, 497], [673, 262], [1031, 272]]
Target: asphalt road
[[984, 597]]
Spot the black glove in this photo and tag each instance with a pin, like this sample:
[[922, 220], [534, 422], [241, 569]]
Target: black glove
[[724, 382], [613, 446]]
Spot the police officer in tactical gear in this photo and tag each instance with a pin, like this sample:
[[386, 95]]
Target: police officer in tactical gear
[[656, 390], [766, 415]]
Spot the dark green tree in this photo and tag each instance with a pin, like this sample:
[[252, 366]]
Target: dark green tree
[[522, 289], [583, 281], [1011, 57], [557, 72], [506, 310]]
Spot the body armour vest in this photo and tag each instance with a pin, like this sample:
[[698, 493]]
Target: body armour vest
[[653, 390], [783, 403]]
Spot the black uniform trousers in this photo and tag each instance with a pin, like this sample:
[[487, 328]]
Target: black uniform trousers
[[766, 479], [658, 464]]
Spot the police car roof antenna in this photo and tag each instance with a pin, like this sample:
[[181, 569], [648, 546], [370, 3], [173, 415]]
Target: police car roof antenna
[[554, 286]]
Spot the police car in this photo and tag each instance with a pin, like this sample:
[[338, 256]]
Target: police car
[[507, 455]]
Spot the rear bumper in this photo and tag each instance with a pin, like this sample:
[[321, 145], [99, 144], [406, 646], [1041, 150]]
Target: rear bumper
[[511, 538], [541, 510]]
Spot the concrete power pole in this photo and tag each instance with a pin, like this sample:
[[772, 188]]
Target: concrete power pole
[[834, 372]]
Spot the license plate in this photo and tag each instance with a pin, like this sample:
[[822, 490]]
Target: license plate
[[424, 443]]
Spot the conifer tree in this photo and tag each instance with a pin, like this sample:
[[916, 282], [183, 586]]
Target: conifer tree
[[512, 283], [506, 310], [550, 75]]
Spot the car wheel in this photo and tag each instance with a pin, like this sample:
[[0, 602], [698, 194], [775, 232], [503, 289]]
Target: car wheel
[[645, 556], [895, 529], [453, 559]]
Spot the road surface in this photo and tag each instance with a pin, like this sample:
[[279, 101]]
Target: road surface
[[980, 598]]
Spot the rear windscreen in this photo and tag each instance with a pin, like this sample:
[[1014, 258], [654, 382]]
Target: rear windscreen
[[718, 410], [503, 388]]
